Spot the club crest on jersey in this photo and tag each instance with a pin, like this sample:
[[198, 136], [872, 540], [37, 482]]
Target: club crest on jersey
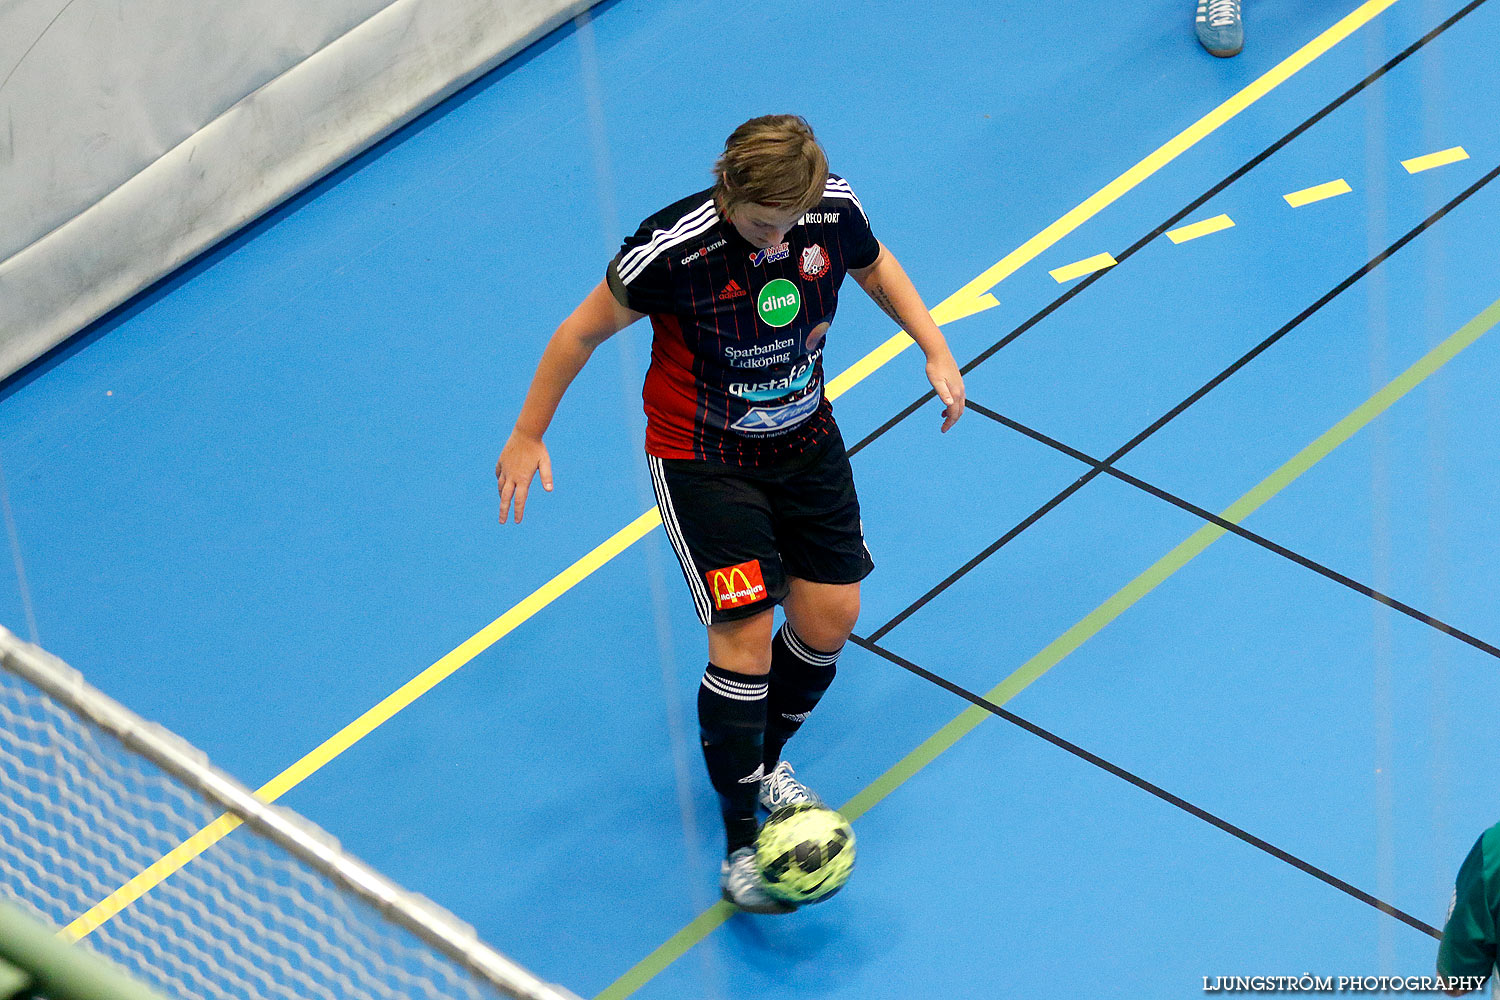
[[771, 255], [814, 263]]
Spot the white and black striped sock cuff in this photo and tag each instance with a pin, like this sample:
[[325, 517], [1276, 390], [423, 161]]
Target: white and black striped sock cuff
[[736, 690], [803, 652]]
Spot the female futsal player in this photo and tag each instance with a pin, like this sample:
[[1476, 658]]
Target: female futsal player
[[754, 487]]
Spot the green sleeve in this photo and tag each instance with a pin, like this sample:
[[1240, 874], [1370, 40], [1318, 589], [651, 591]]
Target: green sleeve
[[1468, 947]]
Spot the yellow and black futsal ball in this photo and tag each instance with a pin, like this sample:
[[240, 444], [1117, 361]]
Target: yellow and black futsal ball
[[805, 853]]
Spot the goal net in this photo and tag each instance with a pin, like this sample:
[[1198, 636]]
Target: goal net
[[96, 805]]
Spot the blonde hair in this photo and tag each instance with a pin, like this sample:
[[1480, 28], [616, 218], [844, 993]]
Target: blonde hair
[[774, 160]]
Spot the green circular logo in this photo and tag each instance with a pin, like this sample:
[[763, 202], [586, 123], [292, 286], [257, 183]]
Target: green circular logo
[[778, 303]]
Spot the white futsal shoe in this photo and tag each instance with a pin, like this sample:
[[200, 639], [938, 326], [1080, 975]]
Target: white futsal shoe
[[1221, 29], [741, 884], [781, 788]]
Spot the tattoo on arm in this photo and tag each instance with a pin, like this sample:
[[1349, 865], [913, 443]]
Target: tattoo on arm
[[884, 302]]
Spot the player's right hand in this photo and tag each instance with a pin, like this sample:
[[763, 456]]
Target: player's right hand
[[521, 458]]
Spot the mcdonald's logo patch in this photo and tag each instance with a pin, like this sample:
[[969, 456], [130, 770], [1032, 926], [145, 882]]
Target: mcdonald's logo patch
[[736, 586]]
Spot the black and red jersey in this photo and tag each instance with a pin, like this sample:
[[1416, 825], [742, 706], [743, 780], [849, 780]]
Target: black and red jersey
[[736, 370]]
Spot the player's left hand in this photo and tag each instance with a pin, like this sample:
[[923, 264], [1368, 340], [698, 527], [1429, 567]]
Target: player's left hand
[[948, 383]]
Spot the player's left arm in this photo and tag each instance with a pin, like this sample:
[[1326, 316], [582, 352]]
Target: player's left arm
[[885, 281]]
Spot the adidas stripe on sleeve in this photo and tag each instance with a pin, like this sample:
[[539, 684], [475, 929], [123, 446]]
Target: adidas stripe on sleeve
[[861, 248]]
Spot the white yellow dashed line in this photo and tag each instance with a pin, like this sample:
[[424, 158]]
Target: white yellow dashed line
[[1219, 223], [1441, 158], [1078, 269], [1192, 231], [1318, 192]]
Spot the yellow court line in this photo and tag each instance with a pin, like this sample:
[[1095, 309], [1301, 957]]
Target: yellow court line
[[1318, 192], [1441, 158], [972, 298], [1192, 231], [1079, 268], [366, 723], [1086, 628], [1107, 195]]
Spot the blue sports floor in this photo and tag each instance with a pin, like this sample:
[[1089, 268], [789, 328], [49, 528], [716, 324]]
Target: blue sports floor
[[260, 498]]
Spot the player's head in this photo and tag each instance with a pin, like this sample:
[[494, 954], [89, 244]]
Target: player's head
[[771, 173]]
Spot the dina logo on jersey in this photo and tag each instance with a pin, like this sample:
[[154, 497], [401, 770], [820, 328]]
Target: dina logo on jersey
[[771, 255], [778, 302], [814, 263]]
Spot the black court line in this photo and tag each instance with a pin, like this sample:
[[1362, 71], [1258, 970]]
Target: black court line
[[1243, 532], [1178, 410], [1156, 790], [1191, 207]]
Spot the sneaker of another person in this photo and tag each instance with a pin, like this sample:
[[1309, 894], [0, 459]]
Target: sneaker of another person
[[741, 884], [1220, 28], [781, 788]]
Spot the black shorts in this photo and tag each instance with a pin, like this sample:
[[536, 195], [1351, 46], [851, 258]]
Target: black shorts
[[740, 532]]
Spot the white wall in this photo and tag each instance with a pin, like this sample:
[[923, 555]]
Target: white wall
[[135, 135]]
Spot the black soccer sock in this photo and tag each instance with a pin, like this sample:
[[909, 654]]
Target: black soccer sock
[[732, 725], [799, 676]]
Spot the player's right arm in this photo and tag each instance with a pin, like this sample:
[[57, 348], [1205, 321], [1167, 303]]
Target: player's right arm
[[598, 317], [1469, 946]]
